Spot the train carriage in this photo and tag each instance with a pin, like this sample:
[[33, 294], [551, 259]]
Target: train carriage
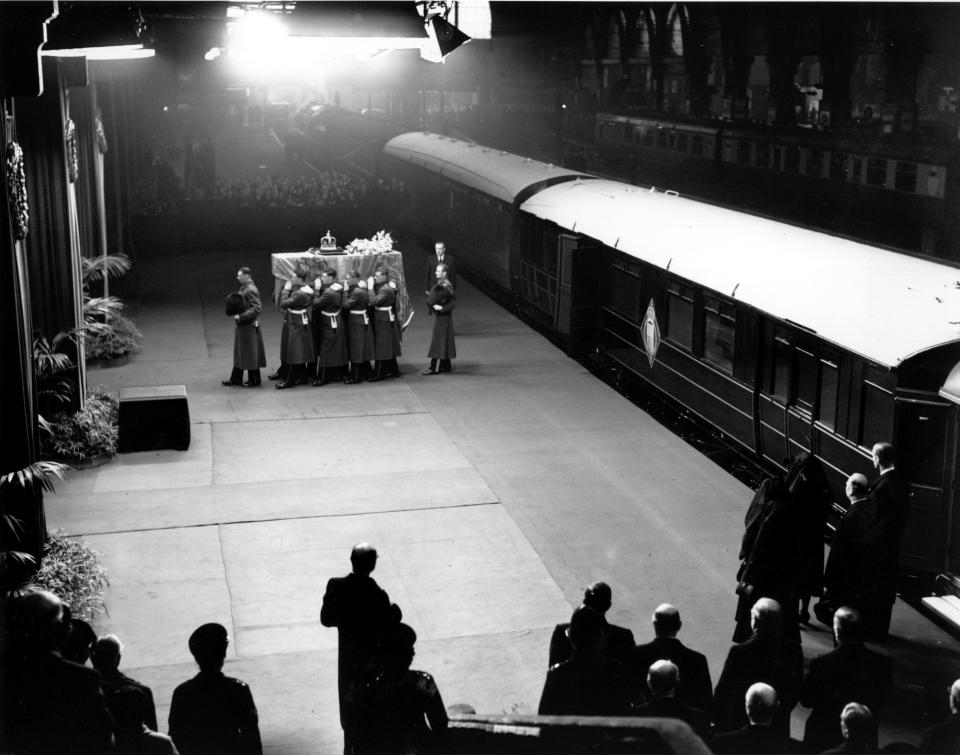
[[467, 194], [782, 338]]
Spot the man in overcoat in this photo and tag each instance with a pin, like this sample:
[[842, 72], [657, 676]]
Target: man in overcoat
[[296, 340], [440, 256], [360, 345], [363, 615], [892, 505], [248, 351]]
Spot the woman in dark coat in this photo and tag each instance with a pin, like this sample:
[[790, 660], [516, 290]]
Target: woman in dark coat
[[812, 498], [440, 303]]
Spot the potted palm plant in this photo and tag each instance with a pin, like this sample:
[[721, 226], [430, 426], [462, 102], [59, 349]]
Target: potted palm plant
[[109, 336]]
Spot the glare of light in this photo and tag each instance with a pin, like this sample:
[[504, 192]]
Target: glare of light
[[114, 52], [166, 108], [212, 54], [472, 17]]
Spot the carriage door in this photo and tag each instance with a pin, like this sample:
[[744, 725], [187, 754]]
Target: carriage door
[[951, 470], [578, 295], [922, 432]]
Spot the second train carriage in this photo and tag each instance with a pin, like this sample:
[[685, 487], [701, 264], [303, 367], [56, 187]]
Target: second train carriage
[[782, 338]]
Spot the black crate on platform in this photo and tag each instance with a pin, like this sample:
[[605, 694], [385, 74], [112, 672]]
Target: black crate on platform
[[153, 417]]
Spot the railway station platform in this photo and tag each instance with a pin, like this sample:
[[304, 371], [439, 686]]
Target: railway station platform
[[494, 494]]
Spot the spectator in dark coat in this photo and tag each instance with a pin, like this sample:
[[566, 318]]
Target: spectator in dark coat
[[663, 680], [440, 256], [588, 683], [890, 498], [618, 641], [812, 498], [770, 558], [362, 613], [764, 657], [760, 736], [859, 731], [695, 688], [130, 702], [401, 710], [49, 704], [944, 737], [213, 714], [851, 673]]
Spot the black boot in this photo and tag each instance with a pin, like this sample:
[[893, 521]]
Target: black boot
[[253, 379], [445, 366], [236, 378], [432, 369]]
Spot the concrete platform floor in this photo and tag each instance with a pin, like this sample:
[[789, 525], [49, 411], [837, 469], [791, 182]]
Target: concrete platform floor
[[495, 494]]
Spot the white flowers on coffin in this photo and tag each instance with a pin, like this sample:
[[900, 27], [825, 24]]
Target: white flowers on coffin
[[381, 242]]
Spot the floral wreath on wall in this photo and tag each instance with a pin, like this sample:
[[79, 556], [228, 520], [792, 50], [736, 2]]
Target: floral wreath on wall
[[17, 190], [73, 164], [101, 137]]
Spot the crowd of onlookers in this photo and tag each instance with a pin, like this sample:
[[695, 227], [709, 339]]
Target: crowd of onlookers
[[328, 188], [53, 702]]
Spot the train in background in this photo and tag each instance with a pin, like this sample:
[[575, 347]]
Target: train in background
[[781, 338], [905, 194]]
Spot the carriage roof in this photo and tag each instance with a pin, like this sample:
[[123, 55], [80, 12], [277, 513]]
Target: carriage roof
[[881, 304], [499, 174]]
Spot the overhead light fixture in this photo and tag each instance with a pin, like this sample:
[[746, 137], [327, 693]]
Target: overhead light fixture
[[442, 36], [96, 32]]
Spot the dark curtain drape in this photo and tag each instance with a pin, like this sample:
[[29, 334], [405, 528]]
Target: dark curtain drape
[[51, 256], [83, 104]]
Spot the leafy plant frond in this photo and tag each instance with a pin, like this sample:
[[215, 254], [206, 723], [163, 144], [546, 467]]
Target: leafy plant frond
[[18, 557], [100, 306], [109, 266], [39, 474], [71, 569]]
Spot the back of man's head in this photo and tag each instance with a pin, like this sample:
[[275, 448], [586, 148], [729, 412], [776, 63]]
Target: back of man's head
[[847, 626], [884, 454], [586, 630], [75, 646], [761, 703], [857, 486], [663, 678], [36, 620], [598, 596], [208, 645], [666, 620], [105, 653], [363, 558], [856, 722], [766, 616]]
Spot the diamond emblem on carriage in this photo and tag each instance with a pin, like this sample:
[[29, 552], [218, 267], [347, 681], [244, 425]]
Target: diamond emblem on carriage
[[650, 332]]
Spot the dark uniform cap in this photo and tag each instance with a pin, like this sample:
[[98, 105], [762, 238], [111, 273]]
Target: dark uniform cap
[[207, 638]]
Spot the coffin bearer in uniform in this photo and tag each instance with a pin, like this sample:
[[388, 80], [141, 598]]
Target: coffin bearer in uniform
[[360, 345], [328, 328], [386, 327], [440, 257], [248, 352], [296, 340], [440, 303]]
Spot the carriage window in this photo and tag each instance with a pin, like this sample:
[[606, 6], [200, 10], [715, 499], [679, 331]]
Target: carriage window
[[697, 145], [905, 179], [662, 137], [780, 383], [806, 381], [743, 153], [829, 388], [838, 166], [775, 161], [876, 172], [681, 145], [791, 158], [720, 325], [856, 168], [680, 315], [763, 155], [815, 163], [623, 287], [648, 137], [876, 412]]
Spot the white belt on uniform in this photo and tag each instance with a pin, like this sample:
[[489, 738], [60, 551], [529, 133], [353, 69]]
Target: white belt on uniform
[[333, 318], [386, 309], [366, 319], [304, 318]]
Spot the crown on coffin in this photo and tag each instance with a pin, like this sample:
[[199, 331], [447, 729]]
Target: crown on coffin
[[328, 243]]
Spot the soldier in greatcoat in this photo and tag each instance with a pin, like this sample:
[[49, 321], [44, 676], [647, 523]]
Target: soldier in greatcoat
[[329, 340], [386, 326], [360, 345], [296, 341], [248, 351], [441, 301]]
